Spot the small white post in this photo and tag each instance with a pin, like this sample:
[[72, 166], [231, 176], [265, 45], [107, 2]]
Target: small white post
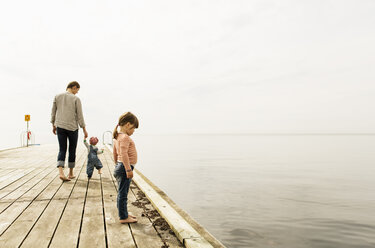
[[27, 119]]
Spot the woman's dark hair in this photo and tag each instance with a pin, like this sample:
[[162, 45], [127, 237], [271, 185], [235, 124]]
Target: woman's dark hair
[[72, 84], [125, 118]]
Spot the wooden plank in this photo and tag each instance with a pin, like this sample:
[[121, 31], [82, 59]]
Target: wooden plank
[[19, 162], [5, 160], [5, 171], [66, 188], [118, 235], [19, 174], [48, 213], [6, 176], [10, 188], [29, 190], [67, 231], [181, 228], [24, 188], [46, 190], [143, 231], [92, 233], [22, 164], [42, 232], [15, 234], [169, 239], [11, 213], [27, 184]]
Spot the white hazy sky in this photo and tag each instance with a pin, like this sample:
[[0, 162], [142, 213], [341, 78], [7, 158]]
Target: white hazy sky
[[190, 66]]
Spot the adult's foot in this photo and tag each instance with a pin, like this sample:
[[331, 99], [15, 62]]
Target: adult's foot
[[128, 220], [64, 178]]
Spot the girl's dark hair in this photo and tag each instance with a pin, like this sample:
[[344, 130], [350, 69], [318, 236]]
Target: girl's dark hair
[[72, 84], [125, 118]]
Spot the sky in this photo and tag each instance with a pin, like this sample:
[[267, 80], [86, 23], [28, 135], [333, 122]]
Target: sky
[[204, 66]]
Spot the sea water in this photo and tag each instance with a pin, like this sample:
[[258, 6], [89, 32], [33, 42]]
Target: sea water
[[269, 190]]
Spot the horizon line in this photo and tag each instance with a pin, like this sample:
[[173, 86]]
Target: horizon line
[[265, 133]]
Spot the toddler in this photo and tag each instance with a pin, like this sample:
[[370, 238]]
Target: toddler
[[92, 157]]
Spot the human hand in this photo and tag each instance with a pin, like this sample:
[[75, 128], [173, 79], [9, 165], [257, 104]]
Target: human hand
[[85, 133], [129, 174], [53, 129]]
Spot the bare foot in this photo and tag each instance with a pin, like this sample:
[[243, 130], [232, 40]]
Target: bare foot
[[64, 178], [132, 216], [71, 177], [100, 171], [128, 220]]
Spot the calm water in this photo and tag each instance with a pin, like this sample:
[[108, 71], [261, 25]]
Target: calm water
[[269, 190]]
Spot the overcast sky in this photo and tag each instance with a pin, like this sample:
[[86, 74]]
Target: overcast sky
[[190, 66]]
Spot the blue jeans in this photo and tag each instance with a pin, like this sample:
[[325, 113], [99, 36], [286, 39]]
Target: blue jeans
[[123, 189], [63, 136], [90, 166]]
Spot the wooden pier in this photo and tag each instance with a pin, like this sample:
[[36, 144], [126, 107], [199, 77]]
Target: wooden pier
[[38, 210]]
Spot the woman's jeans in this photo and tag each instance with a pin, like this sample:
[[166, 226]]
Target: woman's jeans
[[123, 189], [63, 136]]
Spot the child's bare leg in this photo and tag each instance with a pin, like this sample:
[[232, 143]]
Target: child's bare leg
[[71, 175], [62, 175], [100, 171]]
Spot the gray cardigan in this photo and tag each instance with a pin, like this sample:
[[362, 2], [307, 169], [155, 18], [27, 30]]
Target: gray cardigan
[[67, 112]]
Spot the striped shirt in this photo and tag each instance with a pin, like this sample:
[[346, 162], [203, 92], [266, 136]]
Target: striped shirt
[[67, 112], [124, 150]]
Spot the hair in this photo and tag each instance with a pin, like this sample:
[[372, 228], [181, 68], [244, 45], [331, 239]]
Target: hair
[[72, 84], [125, 118], [93, 141]]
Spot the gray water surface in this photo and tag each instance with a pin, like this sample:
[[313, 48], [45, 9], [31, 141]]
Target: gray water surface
[[269, 190]]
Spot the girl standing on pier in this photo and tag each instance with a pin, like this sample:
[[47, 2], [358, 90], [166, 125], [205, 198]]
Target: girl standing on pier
[[125, 157]]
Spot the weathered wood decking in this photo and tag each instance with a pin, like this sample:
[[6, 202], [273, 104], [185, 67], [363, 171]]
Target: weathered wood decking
[[38, 210]]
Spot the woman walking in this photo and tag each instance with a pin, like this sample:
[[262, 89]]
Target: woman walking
[[65, 117]]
